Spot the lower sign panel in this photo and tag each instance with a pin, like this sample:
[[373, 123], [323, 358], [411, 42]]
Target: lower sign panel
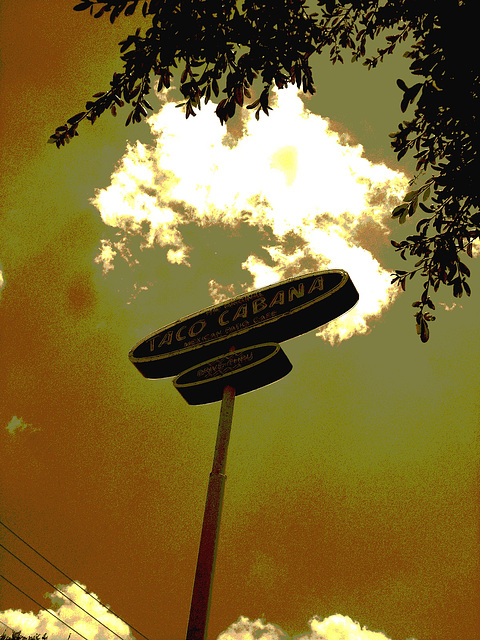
[[246, 369]]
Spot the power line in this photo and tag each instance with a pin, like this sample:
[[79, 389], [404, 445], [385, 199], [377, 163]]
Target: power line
[[6, 625], [60, 591], [42, 607], [72, 580]]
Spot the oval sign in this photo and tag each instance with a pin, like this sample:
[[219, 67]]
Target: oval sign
[[271, 314], [246, 369]]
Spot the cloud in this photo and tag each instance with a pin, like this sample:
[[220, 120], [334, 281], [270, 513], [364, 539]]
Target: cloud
[[245, 629], [319, 197], [42, 622], [338, 627], [450, 308], [476, 248], [335, 627], [18, 425], [2, 280]]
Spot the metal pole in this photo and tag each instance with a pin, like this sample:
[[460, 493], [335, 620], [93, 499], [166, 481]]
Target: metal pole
[[202, 587]]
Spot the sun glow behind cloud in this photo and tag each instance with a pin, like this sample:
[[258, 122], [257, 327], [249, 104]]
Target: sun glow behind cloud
[[289, 173]]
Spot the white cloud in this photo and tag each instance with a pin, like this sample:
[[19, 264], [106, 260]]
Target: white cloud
[[18, 425], [335, 627], [42, 622], [245, 629], [338, 627], [451, 308], [289, 173], [218, 292], [106, 256]]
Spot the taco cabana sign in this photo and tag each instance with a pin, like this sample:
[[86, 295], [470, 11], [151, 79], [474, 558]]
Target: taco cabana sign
[[271, 314]]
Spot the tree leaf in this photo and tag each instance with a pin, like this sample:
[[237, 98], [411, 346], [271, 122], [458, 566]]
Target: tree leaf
[[253, 104], [411, 195], [76, 117], [424, 330], [82, 5], [399, 210]]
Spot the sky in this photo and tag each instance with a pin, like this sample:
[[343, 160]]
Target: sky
[[351, 503]]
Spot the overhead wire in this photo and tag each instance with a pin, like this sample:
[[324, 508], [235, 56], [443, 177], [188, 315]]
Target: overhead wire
[[60, 591], [72, 580], [6, 625], [42, 607]]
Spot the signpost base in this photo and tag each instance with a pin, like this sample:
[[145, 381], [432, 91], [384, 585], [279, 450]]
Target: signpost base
[[202, 587]]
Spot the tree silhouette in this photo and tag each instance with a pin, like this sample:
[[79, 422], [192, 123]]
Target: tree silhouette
[[270, 43]]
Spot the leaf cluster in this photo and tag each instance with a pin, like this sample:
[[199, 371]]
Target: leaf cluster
[[229, 46], [444, 138], [222, 47]]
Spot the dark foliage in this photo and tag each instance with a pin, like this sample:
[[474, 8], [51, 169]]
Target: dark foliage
[[18, 635], [270, 42]]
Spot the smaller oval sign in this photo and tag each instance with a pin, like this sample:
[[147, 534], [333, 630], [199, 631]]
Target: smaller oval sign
[[245, 370]]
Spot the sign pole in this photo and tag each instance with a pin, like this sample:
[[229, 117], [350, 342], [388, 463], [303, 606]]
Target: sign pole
[[202, 587], [194, 349]]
